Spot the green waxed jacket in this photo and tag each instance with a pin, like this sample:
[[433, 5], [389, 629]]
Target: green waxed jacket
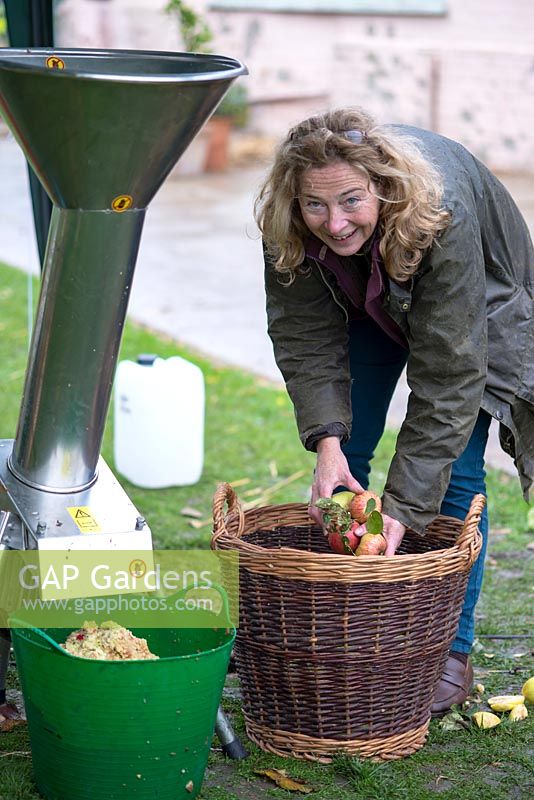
[[468, 316]]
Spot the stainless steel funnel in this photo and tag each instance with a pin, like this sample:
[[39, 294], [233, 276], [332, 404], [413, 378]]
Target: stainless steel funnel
[[102, 130]]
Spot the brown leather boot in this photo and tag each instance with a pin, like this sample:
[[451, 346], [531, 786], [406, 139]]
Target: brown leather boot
[[454, 686], [9, 711]]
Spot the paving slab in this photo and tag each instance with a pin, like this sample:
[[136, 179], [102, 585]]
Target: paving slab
[[199, 275]]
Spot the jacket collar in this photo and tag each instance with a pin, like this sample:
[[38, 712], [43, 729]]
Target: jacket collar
[[319, 251], [377, 284]]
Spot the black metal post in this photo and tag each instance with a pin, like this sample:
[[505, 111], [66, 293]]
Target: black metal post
[[30, 24]]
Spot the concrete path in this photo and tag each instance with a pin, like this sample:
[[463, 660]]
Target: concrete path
[[199, 273]]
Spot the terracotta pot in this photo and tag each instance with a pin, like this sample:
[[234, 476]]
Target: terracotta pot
[[193, 161], [218, 150]]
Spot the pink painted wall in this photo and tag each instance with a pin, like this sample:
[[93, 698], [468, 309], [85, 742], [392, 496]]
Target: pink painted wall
[[468, 74]]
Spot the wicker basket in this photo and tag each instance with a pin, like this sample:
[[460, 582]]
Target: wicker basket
[[336, 653]]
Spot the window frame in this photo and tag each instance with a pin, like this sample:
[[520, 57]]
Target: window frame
[[431, 8]]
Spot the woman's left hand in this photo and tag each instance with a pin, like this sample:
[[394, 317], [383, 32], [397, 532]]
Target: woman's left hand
[[393, 533]]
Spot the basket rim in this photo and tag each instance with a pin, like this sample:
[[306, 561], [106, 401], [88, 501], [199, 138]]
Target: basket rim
[[294, 551], [230, 533]]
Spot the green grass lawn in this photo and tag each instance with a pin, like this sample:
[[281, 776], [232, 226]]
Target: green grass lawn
[[251, 436]]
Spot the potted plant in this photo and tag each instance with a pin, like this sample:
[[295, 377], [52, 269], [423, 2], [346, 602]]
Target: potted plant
[[232, 112], [233, 109]]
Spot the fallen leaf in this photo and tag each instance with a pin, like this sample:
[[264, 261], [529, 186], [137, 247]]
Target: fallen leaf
[[200, 523], [453, 722], [188, 511], [500, 531], [281, 778], [8, 724]]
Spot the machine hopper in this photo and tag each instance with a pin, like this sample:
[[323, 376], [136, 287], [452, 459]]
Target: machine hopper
[[102, 130]]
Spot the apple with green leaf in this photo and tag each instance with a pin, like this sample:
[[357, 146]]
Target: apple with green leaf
[[347, 535]]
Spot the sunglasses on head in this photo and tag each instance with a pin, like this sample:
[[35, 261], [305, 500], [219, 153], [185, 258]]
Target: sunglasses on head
[[354, 136]]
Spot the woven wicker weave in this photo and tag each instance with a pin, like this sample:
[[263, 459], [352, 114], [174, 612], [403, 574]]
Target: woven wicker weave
[[336, 653]]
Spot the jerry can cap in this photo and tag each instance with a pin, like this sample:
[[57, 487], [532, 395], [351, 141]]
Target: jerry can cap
[[146, 359]]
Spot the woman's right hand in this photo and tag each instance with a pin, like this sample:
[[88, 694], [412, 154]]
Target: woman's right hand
[[331, 471]]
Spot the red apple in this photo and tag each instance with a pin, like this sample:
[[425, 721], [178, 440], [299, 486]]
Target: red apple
[[371, 544], [345, 543], [359, 504]]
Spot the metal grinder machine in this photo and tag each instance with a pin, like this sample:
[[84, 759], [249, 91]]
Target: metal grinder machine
[[102, 130]]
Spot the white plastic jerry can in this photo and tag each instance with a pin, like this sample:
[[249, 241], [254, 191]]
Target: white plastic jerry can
[[159, 421]]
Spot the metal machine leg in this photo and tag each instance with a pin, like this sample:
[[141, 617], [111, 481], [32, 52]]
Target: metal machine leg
[[5, 647], [231, 745]]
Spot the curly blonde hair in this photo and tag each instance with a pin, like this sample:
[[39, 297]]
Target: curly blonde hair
[[408, 186]]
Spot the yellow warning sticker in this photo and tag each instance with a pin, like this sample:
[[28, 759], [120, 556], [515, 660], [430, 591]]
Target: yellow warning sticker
[[137, 568], [53, 62], [84, 519], [122, 203]]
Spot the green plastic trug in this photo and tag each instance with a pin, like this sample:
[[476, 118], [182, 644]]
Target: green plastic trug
[[104, 730]]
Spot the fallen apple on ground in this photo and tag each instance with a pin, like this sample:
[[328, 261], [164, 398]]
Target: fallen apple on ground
[[485, 719], [528, 690], [518, 713], [505, 702]]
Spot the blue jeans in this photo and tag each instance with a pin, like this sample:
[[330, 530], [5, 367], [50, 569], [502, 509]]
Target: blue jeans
[[376, 363]]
